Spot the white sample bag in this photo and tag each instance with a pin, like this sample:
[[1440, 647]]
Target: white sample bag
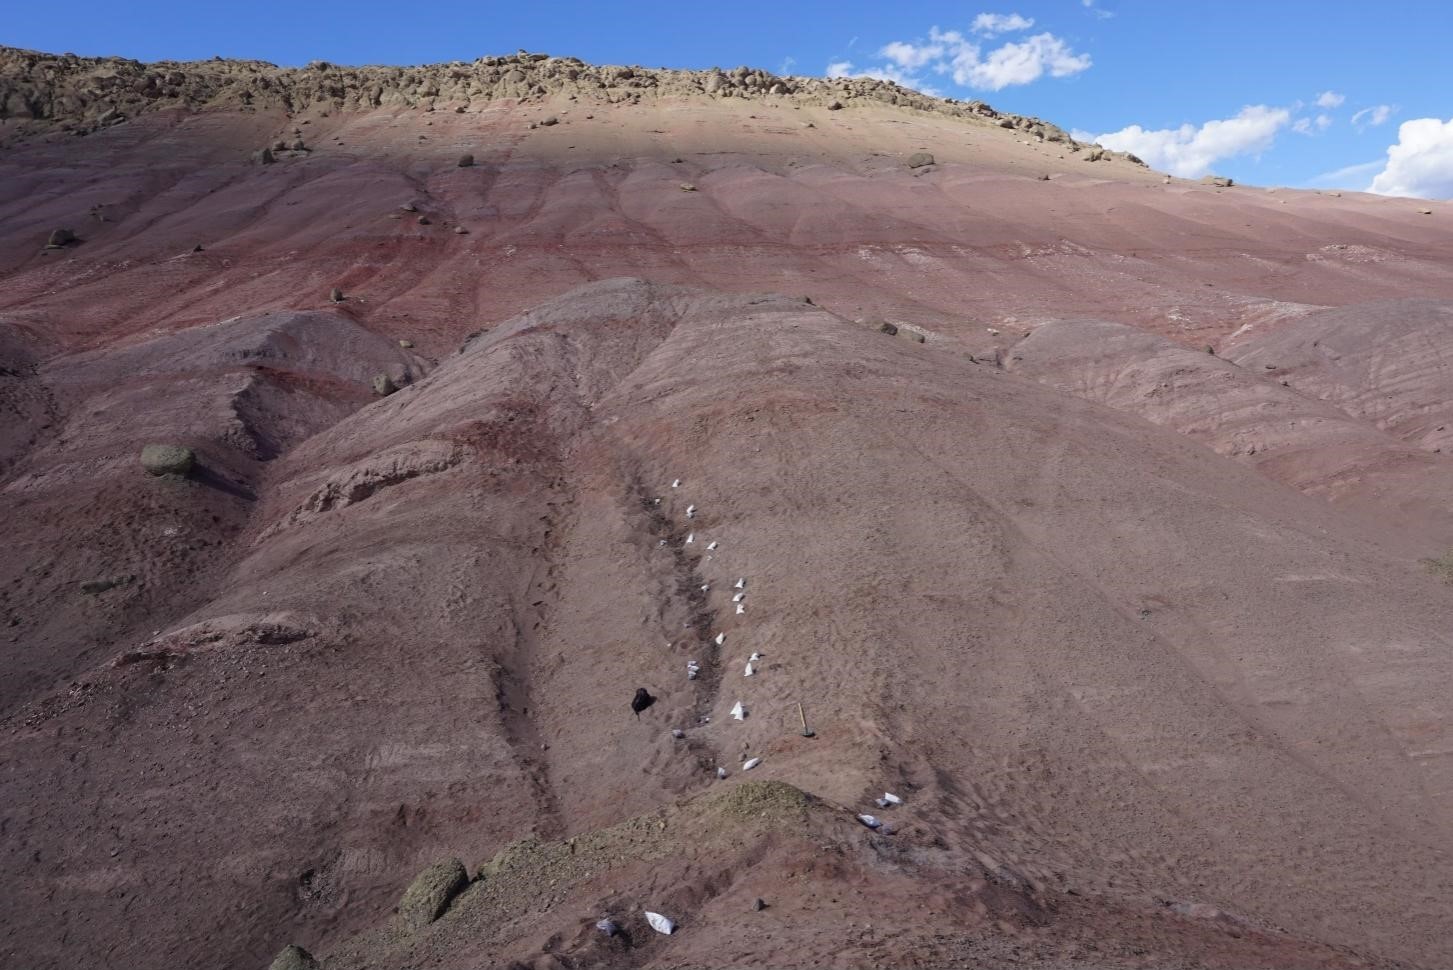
[[661, 924], [751, 763], [739, 712]]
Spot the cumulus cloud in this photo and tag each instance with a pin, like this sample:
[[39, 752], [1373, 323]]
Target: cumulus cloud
[[1372, 117], [1330, 99], [990, 24], [950, 52], [912, 56], [1190, 151], [1023, 62], [1421, 163]]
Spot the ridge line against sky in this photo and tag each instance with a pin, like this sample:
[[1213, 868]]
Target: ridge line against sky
[[1298, 93]]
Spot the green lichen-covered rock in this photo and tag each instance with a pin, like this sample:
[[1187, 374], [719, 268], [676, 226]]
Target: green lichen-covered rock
[[168, 459], [774, 801], [95, 587], [429, 895], [294, 957]]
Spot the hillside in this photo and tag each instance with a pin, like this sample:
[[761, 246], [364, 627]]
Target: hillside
[[1142, 636]]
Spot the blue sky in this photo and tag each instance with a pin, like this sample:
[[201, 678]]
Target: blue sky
[[1278, 92]]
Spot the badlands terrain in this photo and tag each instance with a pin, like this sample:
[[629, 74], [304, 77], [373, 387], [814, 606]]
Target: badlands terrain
[[1098, 516]]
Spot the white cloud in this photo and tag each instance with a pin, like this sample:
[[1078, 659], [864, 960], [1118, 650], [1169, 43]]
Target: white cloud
[[1312, 126], [1089, 6], [1189, 151], [1330, 99], [1421, 163], [990, 24], [911, 56], [950, 52], [1375, 116], [1353, 177], [1023, 62]]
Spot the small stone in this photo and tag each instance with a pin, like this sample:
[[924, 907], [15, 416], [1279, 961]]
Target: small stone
[[466, 161], [687, 187], [423, 220], [1219, 181], [429, 895], [919, 159], [409, 207], [912, 335], [835, 106], [460, 231], [383, 385], [888, 328], [759, 904], [167, 459], [1044, 178], [294, 957], [549, 121], [1425, 212], [264, 157], [298, 145], [406, 344], [60, 238], [335, 295], [197, 248]]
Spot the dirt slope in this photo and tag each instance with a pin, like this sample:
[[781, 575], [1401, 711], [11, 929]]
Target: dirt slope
[[1139, 633]]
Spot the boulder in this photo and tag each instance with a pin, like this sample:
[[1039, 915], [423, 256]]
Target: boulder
[[383, 385], [466, 161], [888, 328], [919, 159], [1094, 154], [835, 106], [60, 238], [168, 459], [294, 957], [264, 157], [429, 895], [1220, 181], [95, 587]]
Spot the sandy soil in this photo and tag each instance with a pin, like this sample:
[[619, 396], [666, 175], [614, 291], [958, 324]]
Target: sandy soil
[[1139, 633]]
